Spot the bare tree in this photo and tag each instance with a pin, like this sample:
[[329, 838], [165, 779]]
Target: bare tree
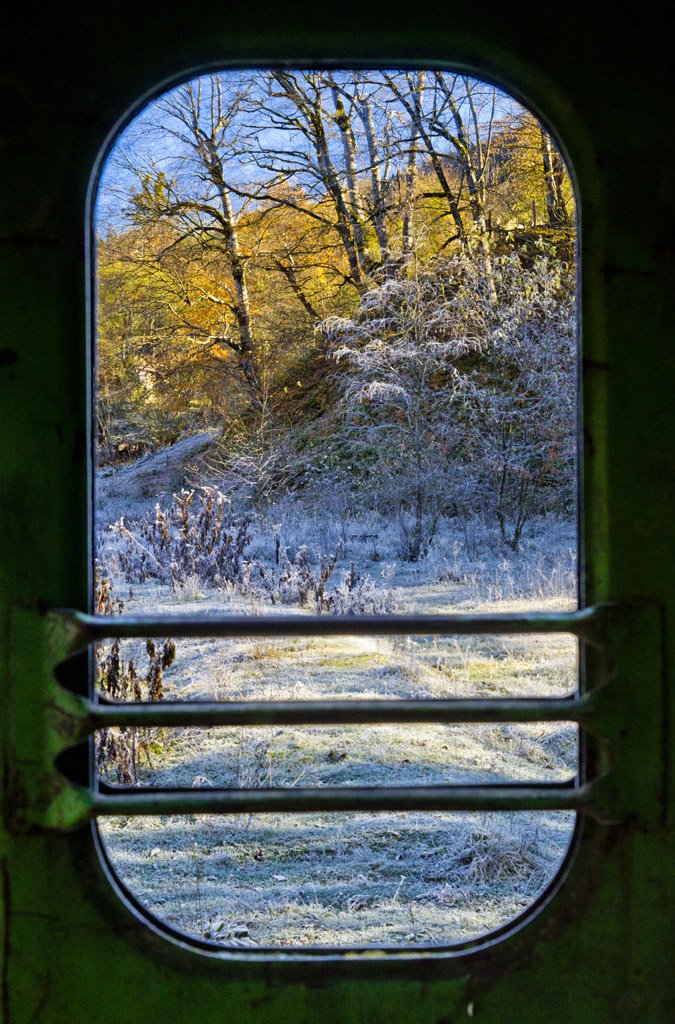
[[458, 113], [298, 108], [196, 128], [334, 134]]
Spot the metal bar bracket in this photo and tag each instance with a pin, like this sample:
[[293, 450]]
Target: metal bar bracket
[[623, 773]]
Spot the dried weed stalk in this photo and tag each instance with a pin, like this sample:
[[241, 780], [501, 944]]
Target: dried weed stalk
[[116, 678], [189, 539]]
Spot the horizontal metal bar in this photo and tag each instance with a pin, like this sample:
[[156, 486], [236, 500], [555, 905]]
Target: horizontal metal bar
[[171, 714], [82, 629], [535, 797]]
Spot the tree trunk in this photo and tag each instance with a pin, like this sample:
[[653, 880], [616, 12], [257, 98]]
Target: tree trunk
[[376, 182], [554, 177], [245, 348], [407, 239]]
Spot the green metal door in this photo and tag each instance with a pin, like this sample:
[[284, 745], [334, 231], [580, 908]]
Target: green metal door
[[600, 947]]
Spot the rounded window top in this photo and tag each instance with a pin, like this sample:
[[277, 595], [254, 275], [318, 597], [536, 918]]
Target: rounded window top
[[336, 368]]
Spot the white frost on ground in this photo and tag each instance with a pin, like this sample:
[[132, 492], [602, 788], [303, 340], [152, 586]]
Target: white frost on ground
[[352, 879]]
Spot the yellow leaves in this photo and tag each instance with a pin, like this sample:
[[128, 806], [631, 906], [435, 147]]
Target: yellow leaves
[[220, 352]]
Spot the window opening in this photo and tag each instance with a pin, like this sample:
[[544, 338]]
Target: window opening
[[336, 374]]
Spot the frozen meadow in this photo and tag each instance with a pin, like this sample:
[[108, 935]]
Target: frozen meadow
[[338, 879]]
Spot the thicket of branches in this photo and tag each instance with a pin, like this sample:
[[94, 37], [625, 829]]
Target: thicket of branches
[[198, 539], [459, 388], [242, 208], [118, 750]]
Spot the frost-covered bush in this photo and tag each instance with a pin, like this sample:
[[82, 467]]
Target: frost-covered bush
[[294, 581], [197, 536], [198, 540], [472, 554], [357, 593], [459, 393], [297, 582]]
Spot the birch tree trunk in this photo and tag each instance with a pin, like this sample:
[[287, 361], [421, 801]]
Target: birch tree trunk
[[554, 176]]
